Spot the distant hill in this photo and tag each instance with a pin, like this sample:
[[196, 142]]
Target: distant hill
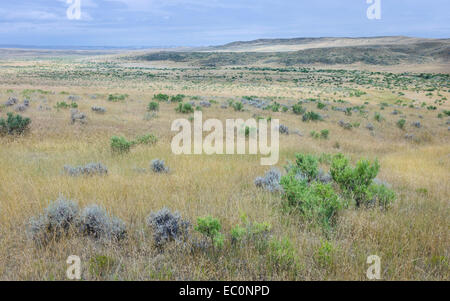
[[382, 51]]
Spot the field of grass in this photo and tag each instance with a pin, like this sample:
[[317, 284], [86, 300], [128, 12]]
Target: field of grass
[[411, 237]]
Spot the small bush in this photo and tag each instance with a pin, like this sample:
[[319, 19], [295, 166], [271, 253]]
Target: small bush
[[270, 181], [380, 195], [401, 123], [210, 227], [184, 108], [14, 125], [120, 145], [177, 98], [324, 134], [238, 106], [148, 139], [56, 221], [354, 181], [167, 226], [311, 116], [153, 106], [159, 166], [378, 117], [282, 255], [283, 129], [88, 170], [97, 223], [306, 165], [98, 109], [161, 97], [117, 97], [298, 109]]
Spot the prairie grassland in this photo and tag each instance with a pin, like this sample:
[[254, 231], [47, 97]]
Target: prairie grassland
[[412, 237]]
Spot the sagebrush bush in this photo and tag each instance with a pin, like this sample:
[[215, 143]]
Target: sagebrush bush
[[57, 220], [167, 226], [89, 169], [97, 223], [14, 125], [159, 166], [98, 109], [270, 181], [283, 129]]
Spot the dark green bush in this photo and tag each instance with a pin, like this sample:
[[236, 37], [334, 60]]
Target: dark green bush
[[311, 116], [238, 106], [298, 109], [401, 123], [210, 227], [177, 98], [161, 97], [153, 106], [120, 145], [184, 108], [354, 181], [14, 124]]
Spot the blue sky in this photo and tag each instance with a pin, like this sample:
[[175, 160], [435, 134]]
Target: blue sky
[[211, 22]]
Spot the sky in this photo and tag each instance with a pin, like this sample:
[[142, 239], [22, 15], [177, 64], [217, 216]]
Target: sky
[[152, 23]]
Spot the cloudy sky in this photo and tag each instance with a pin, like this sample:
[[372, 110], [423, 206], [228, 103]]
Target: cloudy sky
[[210, 22]]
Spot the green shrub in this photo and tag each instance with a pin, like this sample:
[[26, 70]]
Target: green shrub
[[307, 165], [311, 116], [120, 145], [354, 181], [378, 117], [117, 97], [324, 255], [177, 98], [14, 124], [210, 227], [146, 139], [401, 123], [321, 106], [380, 195], [298, 109], [275, 107], [65, 105], [324, 134], [161, 97], [316, 202], [153, 106], [238, 106], [184, 108], [282, 255]]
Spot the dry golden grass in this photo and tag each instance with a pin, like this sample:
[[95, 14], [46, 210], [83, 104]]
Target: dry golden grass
[[412, 238]]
